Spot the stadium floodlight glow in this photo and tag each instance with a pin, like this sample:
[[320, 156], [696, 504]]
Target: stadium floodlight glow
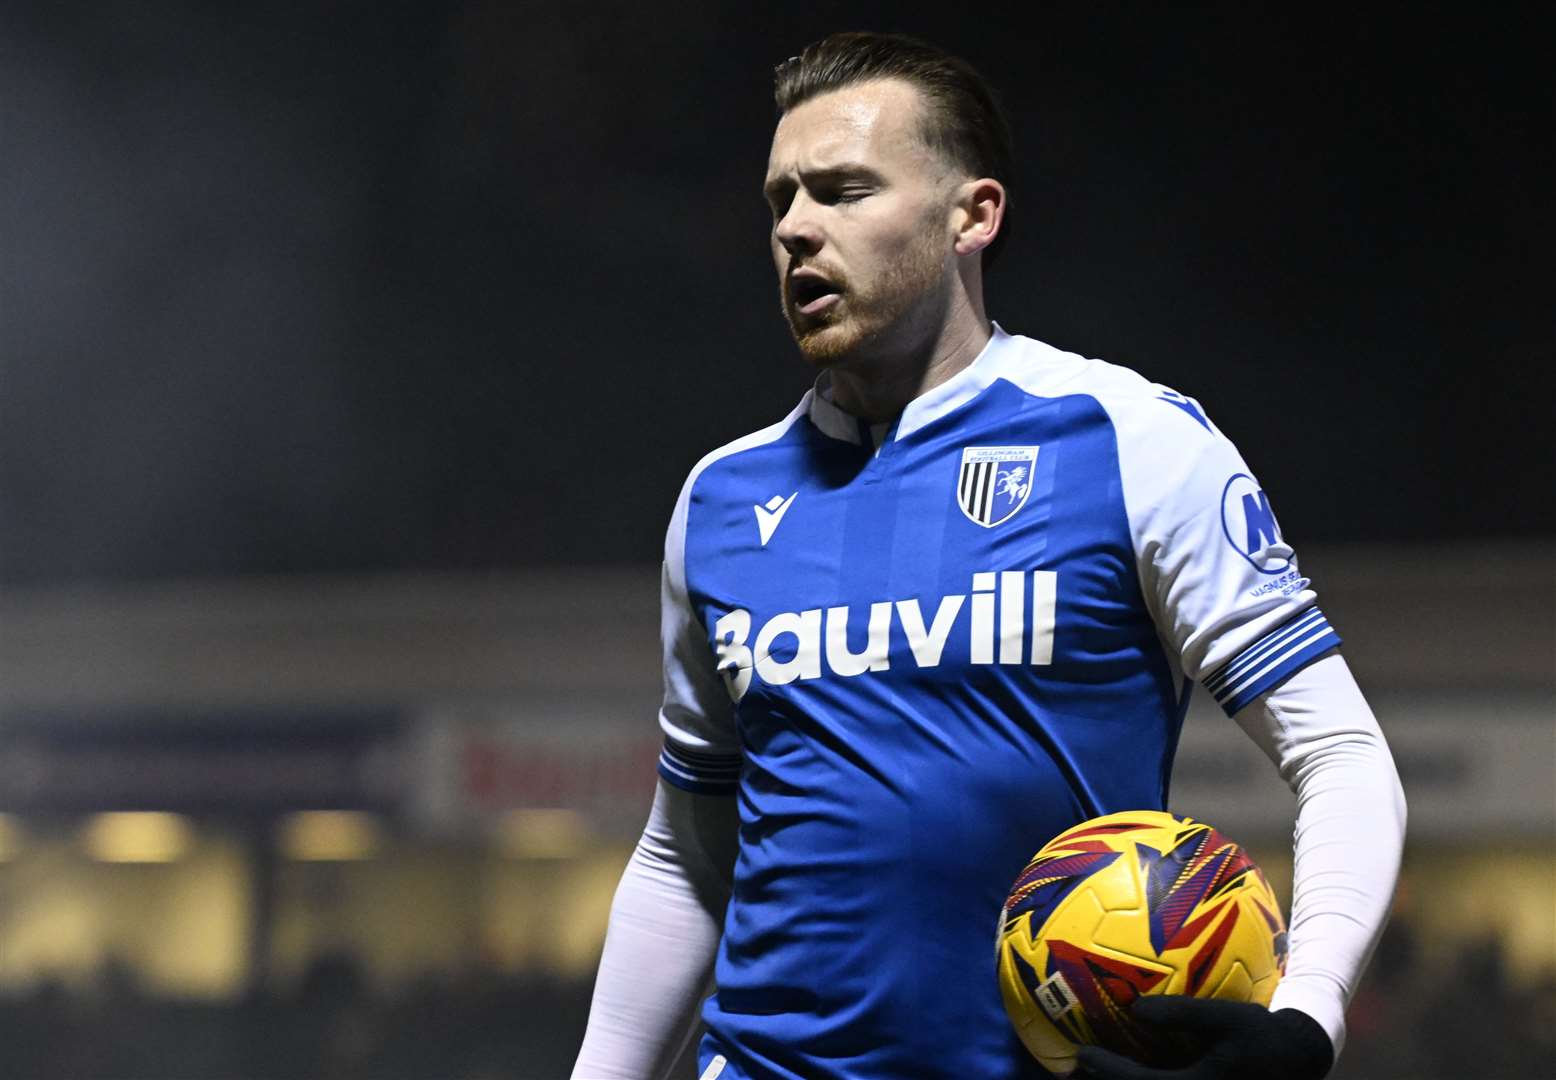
[[137, 837], [542, 834], [330, 836], [10, 837]]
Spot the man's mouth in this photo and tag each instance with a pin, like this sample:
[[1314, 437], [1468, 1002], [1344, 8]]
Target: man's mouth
[[812, 293]]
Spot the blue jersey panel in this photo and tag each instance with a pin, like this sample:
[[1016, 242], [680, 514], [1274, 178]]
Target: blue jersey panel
[[940, 658]]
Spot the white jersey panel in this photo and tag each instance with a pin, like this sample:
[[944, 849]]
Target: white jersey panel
[[702, 749], [1220, 582]]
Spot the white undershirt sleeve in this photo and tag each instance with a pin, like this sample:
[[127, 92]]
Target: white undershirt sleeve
[[664, 929], [1350, 829]]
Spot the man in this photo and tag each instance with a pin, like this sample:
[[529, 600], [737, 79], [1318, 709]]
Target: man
[[945, 609]]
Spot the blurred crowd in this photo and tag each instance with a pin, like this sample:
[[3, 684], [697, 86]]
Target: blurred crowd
[[1468, 1018], [482, 1026], [1406, 1023]]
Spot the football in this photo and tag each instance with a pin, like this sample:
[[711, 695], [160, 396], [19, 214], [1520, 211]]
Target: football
[[1134, 903]]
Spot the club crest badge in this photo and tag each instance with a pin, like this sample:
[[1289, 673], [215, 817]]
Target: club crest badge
[[994, 482]]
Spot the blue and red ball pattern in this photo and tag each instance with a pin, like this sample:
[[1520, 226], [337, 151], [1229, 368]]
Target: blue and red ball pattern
[[1129, 904]]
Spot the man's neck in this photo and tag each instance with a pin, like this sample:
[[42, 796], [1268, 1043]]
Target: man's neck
[[879, 390]]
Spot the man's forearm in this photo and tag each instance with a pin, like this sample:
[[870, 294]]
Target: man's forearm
[[664, 930], [1349, 833]]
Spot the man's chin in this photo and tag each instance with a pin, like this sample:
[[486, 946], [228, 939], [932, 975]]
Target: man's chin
[[826, 345]]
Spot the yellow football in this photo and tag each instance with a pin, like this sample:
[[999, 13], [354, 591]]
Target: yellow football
[[1135, 903]]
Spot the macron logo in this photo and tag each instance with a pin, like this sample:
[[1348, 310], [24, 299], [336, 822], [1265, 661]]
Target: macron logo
[[768, 517]]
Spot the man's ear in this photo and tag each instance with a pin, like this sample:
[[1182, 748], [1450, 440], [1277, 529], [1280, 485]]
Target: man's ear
[[980, 210]]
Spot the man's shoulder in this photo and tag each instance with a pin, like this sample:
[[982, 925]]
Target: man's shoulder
[[1134, 403], [711, 462], [1049, 371], [713, 478]]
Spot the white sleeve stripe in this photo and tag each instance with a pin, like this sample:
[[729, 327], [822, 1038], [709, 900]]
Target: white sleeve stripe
[[1306, 642], [702, 760], [1297, 650], [681, 769], [705, 774], [1234, 669], [1269, 656]]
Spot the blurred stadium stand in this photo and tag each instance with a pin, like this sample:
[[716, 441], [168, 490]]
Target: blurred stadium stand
[[370, 827]]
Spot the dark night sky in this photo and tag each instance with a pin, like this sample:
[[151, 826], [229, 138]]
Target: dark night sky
[[352, 286]]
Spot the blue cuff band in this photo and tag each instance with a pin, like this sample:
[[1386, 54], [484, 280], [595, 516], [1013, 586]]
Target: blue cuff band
[[1272, 659], [699, 772]]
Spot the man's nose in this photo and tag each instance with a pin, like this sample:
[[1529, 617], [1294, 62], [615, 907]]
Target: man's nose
[[797, 230]]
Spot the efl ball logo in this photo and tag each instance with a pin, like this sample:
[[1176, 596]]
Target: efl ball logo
[[1250, 525]]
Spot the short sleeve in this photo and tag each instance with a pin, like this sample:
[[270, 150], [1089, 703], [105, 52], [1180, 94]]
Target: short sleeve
[[701, 751], [1222, 582]]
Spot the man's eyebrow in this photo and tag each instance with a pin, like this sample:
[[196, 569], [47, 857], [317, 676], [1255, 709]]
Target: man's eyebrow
[[832, 173]]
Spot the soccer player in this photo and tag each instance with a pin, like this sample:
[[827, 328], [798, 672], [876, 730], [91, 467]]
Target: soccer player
[[949, 606]]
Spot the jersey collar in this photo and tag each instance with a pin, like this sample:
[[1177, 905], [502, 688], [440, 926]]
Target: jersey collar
[[956, 391]]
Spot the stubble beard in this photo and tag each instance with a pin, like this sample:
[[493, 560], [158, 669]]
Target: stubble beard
[[912, 290]]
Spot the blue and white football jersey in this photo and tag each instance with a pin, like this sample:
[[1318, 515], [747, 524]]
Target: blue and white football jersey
[[915, 654]]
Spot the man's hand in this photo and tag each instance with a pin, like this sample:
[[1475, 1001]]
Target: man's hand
[[1233, 1040]]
